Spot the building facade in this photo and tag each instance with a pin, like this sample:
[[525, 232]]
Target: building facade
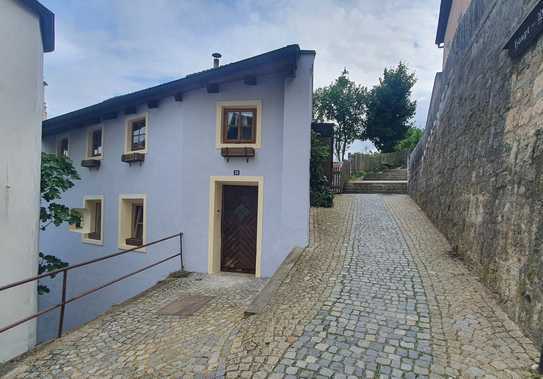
[[221, 155], [450, 14], [477, 171], [27, 30]]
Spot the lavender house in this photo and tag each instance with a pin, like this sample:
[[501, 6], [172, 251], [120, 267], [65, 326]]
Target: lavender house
[[221, 155]]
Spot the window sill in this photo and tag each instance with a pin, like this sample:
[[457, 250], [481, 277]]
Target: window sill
[[144, 151], [238, 152], [232, 145], [133, 157], [92, 242], [91, 163], [124, 246]]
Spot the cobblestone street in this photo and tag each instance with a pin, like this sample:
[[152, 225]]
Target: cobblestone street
[[376, 294]]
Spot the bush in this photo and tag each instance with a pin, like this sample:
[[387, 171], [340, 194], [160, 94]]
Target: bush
[[412, 137], [320, 193]]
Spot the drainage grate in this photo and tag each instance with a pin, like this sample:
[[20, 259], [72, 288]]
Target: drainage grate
[[185, 306]]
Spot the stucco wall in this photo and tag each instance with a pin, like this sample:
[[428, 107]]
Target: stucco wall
[[21, 99], [478, 171], [458, 8], [175, 176]]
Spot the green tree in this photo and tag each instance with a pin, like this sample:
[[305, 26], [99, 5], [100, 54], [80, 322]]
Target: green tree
[[57, 176], [411, 139], [390, 110], [342, 102], [320, 192]]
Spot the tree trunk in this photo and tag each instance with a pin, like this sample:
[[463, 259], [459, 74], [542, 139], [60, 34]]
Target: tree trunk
[[337, 149], [343, 148]]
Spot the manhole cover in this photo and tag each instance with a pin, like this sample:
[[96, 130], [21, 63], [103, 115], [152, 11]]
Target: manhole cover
[[185, 306]]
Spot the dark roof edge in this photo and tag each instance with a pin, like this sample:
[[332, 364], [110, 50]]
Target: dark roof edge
[[313, 52], [47, 23], [324, 129], [288, 53], [444, 13]]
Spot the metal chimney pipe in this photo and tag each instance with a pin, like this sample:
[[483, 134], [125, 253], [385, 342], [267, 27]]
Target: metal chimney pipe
[[216, 57]]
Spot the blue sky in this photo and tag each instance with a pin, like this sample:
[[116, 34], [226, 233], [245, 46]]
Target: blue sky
[[106, 48]]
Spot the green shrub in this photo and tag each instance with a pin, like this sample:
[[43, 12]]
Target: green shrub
[[412, 137], [320, 193], [358, 175]]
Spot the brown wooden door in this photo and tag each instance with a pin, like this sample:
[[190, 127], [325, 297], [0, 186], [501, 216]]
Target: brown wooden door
[[238, 228]]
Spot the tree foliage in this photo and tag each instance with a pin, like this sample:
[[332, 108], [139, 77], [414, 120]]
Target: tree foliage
[[390, 109], [411, 139], [48, 263], [342, 102], [57, 176], [320, 192]]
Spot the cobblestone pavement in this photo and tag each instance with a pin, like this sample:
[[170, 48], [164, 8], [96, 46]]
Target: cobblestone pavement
[[376, 320], [376, 294], [134, 340], [395, 304], [471, 335]]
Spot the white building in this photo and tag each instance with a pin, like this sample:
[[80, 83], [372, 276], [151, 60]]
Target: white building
[[27, 31], [221, 155], [450, 14]]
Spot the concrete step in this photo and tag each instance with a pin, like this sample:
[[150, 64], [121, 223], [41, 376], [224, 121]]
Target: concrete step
[[370, 186], [387, 177], [393, 174]]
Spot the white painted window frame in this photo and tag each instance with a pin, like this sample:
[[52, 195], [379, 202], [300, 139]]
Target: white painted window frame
[[87, 199], [58, 141], [240, 104], [90, 130], [128, 133], [125, 220]]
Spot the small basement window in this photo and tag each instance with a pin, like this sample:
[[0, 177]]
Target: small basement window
[[136, 135], [95, 205], [132, 222], [95, 143], [63, 148]]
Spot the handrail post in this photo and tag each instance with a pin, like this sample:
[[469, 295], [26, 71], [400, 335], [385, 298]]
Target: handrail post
[[63, 302], [64, 272], [181, 250], [540, 367]]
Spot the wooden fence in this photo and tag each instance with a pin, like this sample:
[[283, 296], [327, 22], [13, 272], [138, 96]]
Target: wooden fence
[[377, 161], [341, 173], [357, 162]]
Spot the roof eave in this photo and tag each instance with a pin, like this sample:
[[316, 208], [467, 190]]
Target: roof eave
[[444, 13], [276, 61], [47, 23]]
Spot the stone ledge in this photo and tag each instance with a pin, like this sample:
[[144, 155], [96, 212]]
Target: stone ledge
[[264, 296]]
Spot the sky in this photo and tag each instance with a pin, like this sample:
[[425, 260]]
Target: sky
[[106, 48]]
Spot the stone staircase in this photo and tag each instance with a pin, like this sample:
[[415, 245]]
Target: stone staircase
[[389, 181]]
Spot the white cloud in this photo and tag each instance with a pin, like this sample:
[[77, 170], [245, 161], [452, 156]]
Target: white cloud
[[106, 48]]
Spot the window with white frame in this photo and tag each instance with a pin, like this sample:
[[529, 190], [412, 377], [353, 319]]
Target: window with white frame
[[239, 124], [95, 206], [132, 224], [95, 143], [137, 134], [63, 146]]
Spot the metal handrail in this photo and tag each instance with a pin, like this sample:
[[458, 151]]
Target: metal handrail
[[540, 365], [64, 271]]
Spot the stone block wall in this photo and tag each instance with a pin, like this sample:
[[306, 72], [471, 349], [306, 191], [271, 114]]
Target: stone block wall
[[478, 171]]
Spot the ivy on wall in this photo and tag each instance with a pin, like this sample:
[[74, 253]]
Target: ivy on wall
[[320, 193]]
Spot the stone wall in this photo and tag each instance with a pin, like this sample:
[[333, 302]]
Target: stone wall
[[478, 171]]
